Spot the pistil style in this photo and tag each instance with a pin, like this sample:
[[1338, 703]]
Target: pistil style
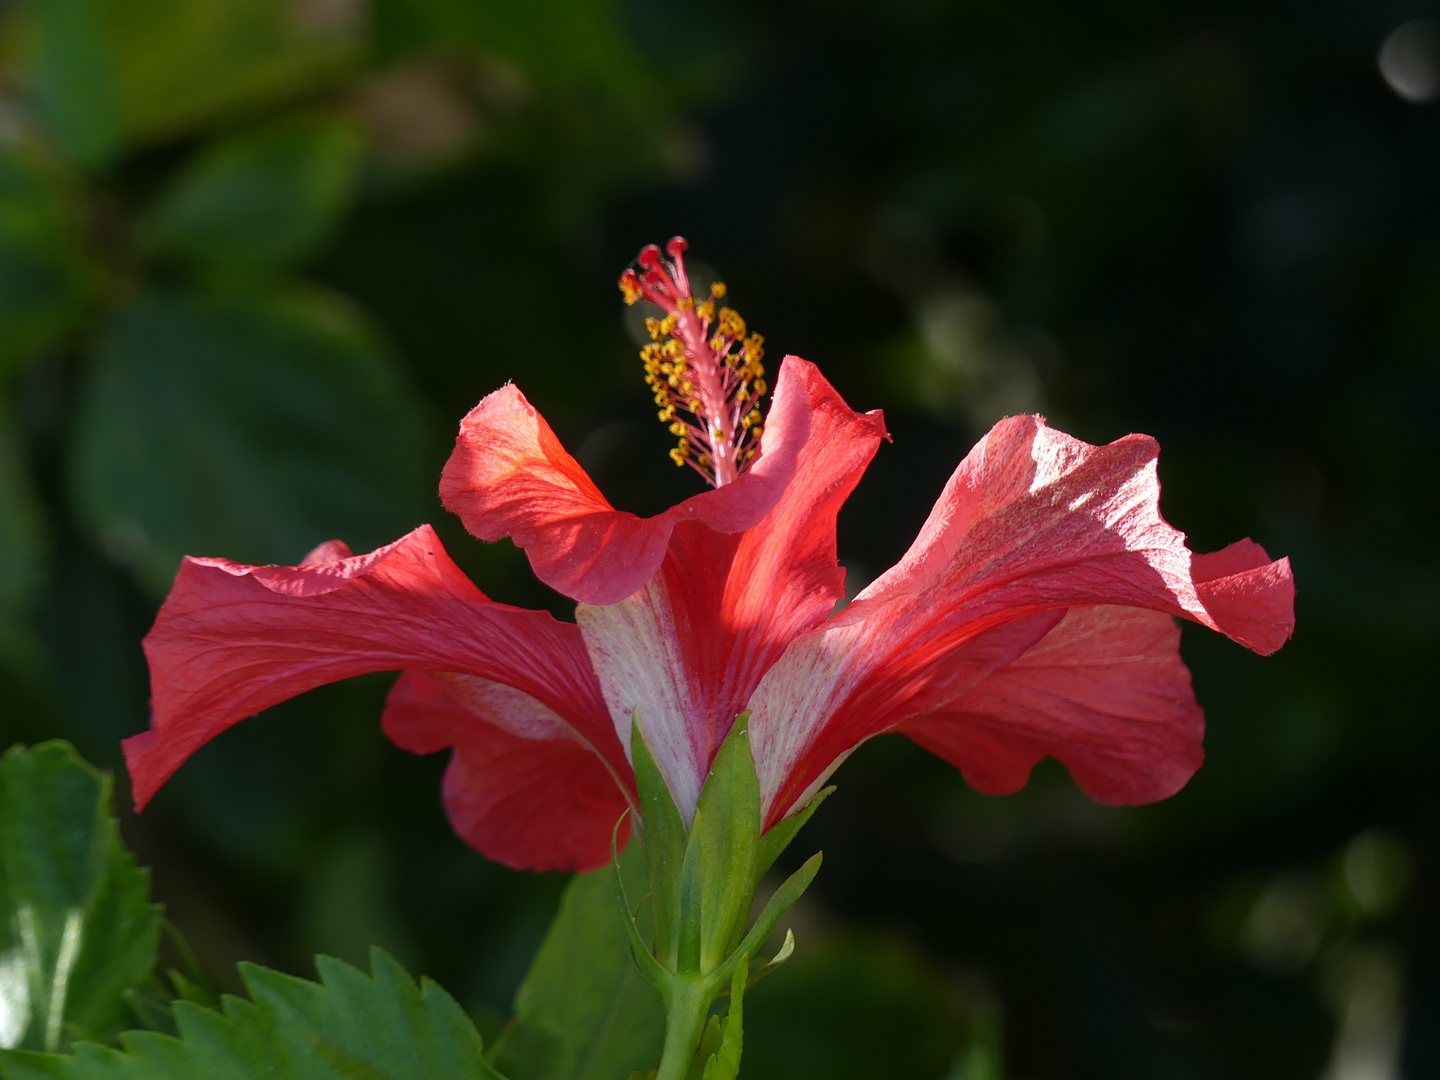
[[701, 362]]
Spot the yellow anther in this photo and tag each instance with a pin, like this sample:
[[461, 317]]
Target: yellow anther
[[679, 370], [731, 323]]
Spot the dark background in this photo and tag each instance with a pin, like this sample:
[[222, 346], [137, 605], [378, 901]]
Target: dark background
[[258, 257]]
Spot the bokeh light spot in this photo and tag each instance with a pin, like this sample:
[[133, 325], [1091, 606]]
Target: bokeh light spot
[[1410, 60]]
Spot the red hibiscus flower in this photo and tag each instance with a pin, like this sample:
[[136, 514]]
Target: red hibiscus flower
[[1032, 616]]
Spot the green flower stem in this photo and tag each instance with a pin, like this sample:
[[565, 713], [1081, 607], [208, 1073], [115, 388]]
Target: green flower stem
[[702, 886], [686, 1007]]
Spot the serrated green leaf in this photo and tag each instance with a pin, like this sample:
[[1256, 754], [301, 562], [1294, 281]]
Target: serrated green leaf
[[725, 836], [348, 1026], [77, 929], [584, 1012], [251, 427], [663, 837], [261, 199], [778, 837]]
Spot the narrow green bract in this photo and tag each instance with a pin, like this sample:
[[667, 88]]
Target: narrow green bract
[[725, 840]]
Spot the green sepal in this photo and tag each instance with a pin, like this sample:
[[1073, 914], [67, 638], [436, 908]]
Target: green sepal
[[778, 838], [725, 844], [662, 833]]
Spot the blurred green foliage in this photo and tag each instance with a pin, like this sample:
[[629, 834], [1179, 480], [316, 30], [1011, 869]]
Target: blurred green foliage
[[257, 257], [45, 277], [247, 423], [261, 199]]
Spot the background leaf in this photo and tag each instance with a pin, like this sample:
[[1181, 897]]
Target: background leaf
[[45, 274], [21, 548], [584, 1012], [110, 72], [263, 198], [75, 79], [77, 929], [346, 1027], [255, 428], [181, 63]]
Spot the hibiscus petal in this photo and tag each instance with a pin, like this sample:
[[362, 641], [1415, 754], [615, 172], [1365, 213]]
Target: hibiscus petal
[[1031, 521], [231, 640], [509, 476], [1251, 598], [1105, 691], [521, 788], [693, 643]]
